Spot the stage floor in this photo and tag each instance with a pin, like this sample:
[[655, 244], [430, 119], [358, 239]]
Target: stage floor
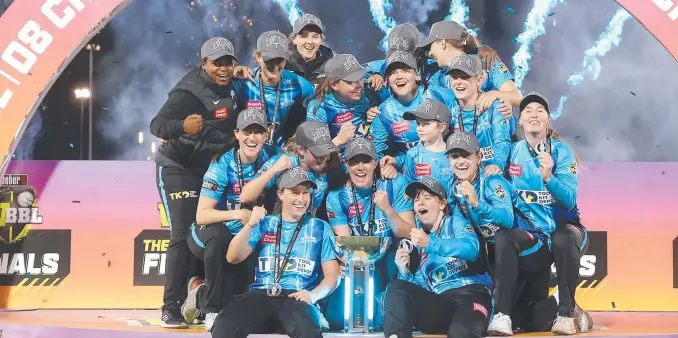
[[145, 323]]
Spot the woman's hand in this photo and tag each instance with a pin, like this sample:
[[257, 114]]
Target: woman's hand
[[346, 133], [493, 169], [486, 100], [372, 114], [419, 238], [402, 261], [302, 296], [243, 73], [258, 213], [545, 166], [376, 81]]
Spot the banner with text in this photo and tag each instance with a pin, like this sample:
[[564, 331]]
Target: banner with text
[[98, 235]]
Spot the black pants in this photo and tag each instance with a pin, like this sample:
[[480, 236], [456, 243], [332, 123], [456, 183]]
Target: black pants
[[568, 242], [222, 280], [459, 313], [255, 313], [522, 273], [179, 190]]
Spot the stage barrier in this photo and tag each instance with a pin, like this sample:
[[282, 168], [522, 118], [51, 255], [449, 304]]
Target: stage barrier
[[103, 236]]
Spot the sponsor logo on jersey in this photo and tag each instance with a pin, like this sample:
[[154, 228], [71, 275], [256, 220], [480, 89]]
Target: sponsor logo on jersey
[[422, 169], [400, 127], [344, 117], [515, 169], [538, 197], [221, 113]]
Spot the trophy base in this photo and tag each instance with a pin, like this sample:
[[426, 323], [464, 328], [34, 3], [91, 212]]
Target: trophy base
[[359, 298]]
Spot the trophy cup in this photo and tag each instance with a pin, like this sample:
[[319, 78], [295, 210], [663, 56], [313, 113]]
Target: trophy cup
[[360, 252]]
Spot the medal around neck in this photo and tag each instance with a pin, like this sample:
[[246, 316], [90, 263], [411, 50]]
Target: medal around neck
[[274, 290], [542, 147]]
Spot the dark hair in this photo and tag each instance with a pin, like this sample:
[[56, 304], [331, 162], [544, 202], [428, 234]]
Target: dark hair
[[447, 209], [341, 178]]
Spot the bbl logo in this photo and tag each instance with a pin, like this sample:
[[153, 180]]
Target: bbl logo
[[18, 208]]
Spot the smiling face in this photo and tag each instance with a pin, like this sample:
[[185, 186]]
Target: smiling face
[[317, 164], [428, 207], [361, 170], [308, 42], [251, 140], [295, 201], [349, 90], [271, 69], [464, 165], [465, 87], [534, 118], [402, 80], [220, 70]]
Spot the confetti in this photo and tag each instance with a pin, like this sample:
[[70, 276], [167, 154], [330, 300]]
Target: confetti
[[71, 144], [663, 172], [577, 136], [632, 93], [552, 13], [76, 202], [169, 32], [109, 264], [614, 306], [511, 9], [350, 40], [103, 254], [515, 40]]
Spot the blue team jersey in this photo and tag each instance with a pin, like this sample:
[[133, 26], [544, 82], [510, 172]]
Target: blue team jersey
[[343, 209], [314, 245], [392, 135], [451, 260], [294, 90], [544, 205], [492, 132], [221, 181], [335, 113], [319, 179], [494, 79], [495, 208], [379, 67], [420, 162]]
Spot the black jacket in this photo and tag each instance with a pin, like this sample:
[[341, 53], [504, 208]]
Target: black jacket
[[314, 70], [195, 93]]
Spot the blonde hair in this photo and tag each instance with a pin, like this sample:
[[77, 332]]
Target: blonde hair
[[550, 131]]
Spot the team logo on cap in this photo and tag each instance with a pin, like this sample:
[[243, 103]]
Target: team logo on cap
[[309, 19], [427, 106], [428, 182], [320, 133], [538, 95], [460, 137], [296, 171], [360, 142], [253, 114], [222, 43], [398, 57], [275, 41], [462, 59], [351, 63], [400, 43]]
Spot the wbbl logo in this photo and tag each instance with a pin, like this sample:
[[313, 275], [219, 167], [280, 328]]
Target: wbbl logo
[[18, 208]]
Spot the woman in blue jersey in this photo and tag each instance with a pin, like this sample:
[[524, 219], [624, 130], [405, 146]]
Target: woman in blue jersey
[[284, 92], [392, 134], [220, 216], [341, 102], [484, 200], [543, 173], [427, 159], [310, 149], [490, 127], [297, 266], [367, 205], [448, 39], [449, 292]]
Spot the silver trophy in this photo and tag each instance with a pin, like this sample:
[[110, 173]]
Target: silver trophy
[[360, 253]]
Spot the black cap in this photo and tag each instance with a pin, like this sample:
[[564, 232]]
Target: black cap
[[293, 177], [464, 141], [359, 146], [430, 109], [429, 184], [534, 97]]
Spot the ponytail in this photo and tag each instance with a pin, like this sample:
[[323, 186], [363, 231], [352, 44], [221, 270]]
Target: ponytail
[[553, 133], [468, 44], [324, 88]]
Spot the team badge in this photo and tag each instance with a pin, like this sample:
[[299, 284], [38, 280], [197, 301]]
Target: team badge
[[499, 191]]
